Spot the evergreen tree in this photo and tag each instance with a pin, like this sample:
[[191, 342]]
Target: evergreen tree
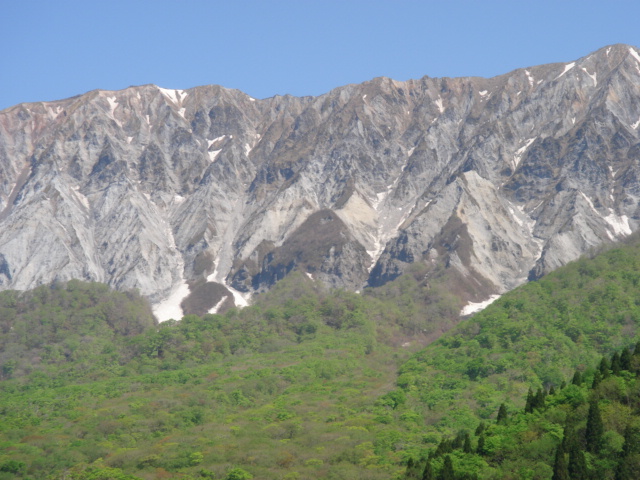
[[597, 378], [539, 399], [502, 415], [480, 450], [528, 407], [560, 469], [625, 359], [595, 428], [428, 474], [577, 464], [443, 447], [466, 448], [413, 469], [577, 379], [625, 471], [447, 472], [604, 367], [552, 390], [615, 364], [479, 429]]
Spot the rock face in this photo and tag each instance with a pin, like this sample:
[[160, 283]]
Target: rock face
[[503, 179]]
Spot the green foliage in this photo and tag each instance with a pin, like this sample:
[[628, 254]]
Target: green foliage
[[309, 383]]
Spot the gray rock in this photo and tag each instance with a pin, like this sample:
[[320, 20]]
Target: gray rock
[[503, 179]]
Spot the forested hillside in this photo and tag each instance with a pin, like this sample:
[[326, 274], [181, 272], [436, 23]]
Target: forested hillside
[[311, 383]]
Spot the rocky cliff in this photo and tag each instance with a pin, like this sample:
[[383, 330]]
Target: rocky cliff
[[172, 191]]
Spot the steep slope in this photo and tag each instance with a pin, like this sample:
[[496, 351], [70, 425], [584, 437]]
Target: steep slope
[[503, 179]]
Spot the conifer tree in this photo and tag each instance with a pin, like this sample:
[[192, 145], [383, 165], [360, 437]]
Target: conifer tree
[[502, 415], [539, 400], [560, 470], [552, 390], [624, 471], [577, 379], [480, 450], [604, 367], [597, 378], [615, 364], [595, 428], [625, 359], [428, 474], [466, 448], [447, 472], [413, 469], [528, 407], [479, 429], [577, 466]]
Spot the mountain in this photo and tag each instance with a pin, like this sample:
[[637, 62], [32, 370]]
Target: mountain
[[210, 193]]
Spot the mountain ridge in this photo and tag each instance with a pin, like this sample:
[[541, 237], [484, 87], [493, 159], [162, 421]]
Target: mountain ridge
[[502, 179]]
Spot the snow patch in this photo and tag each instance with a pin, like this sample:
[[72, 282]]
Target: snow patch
[[53, 114], [113, 103], [518, 155], [181, 112], [247, 149], [590, 203], [176, 96], [439, 104], [129, 139], [178, 198], [567, 67], [636, 125], [211, 142], [309, 275], [217, 306], [594, 77], [476, 307], [530, 78], [634, 54], [81, 197], [483, 93], [213, 154], [619, 224], [170, 307], [364, 96]]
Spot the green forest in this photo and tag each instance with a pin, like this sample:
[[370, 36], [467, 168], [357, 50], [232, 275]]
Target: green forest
[[311, 383]]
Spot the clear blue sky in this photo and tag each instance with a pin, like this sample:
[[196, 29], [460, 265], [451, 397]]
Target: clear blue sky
[[53, 49]]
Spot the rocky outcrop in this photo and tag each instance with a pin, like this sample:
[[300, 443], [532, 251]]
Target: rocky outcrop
[[503, 179]]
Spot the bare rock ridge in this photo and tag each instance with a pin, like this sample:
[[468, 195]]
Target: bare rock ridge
[[502, 179]]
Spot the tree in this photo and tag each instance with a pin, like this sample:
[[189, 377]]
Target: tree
[[604, 367], [615, 364], [625, 359], [560, 470], [577, 464], [466, 448], [447, 472], [238, 474], [597, 378], [595, 428], [577, 379], [528, 407], [480, 450], [502, 415], [428, 474]]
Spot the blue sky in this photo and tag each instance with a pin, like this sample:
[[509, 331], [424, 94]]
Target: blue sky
[[53, 49]]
